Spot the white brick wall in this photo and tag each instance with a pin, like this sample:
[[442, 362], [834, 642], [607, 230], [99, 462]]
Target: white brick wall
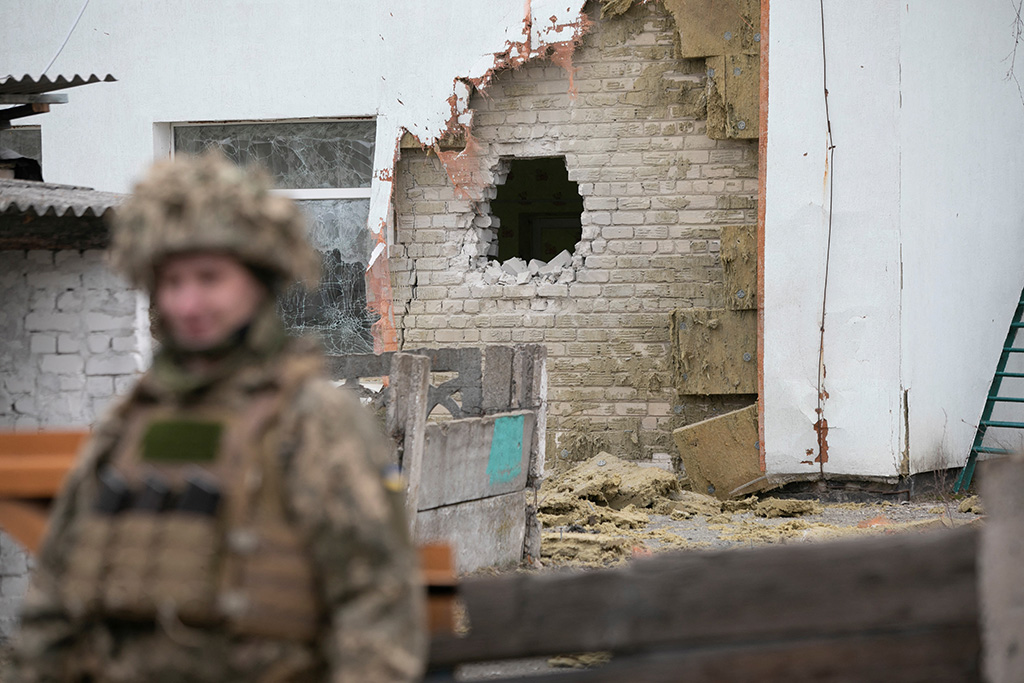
[[655, 189], [67, 347], [67, 327]]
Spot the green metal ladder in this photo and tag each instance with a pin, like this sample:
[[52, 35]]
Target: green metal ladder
[[994, 398]]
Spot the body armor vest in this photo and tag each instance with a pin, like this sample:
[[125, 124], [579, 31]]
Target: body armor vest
[[190, 523]]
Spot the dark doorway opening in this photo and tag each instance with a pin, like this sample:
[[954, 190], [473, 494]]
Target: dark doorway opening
[[539, 210]]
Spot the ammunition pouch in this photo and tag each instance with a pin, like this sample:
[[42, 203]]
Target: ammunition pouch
[[207, 540]]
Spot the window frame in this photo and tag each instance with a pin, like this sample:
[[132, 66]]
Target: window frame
[[304, 193]]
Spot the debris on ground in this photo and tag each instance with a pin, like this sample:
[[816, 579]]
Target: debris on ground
[[584, 660], [606, 511], [782, 507], [971, 505]]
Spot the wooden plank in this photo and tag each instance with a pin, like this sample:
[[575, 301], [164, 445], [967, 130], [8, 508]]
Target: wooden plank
[[25, 522], [1001, 558], [945, 655], [41, 443], [692, 600], [35, 476], [406, 420], [739, 266], [714, 351], [462, 459], [483, 533]]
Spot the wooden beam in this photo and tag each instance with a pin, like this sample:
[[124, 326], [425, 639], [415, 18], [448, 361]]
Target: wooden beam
[[908, 583], [22, 111], [938, 656], [25, 522], [33, 465]]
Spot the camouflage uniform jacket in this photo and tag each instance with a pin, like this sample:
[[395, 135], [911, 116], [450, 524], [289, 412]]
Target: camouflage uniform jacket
[[351, 519]]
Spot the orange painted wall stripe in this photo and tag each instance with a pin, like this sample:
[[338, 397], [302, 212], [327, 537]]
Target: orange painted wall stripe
[[762, 168]]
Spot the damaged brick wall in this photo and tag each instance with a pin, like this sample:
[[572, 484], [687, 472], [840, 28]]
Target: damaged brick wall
[[656, 192]]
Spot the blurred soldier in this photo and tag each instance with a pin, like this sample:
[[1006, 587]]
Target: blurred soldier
[[234, 517]]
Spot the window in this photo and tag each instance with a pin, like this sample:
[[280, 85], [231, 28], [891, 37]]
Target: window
[[327, 167], [21, 152], [539, 210]]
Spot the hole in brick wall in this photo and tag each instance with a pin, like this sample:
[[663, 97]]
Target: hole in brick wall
[[538, 210]]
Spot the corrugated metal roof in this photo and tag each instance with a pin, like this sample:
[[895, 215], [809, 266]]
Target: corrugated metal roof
[[32, 85], [48, 199]]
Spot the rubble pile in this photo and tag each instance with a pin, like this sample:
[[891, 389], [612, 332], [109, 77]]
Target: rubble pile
[[606, 510]]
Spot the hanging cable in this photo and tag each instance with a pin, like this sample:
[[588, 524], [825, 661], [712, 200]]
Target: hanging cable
[[830, 152], [66, 38]]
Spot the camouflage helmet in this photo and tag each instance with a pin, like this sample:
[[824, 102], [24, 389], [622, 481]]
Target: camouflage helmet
[[207, 203]]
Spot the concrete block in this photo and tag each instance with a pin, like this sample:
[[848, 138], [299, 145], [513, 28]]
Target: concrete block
[[26, 405], [100, 386], [72, 382], [101, 322], [68, 344], [483, 533], [61, 364], [19, 385], [721, 454], [714, 351], [535, 265], [497, 379], [110, 365], [124, 344], [475, 458], [98, 343], [515, 266], [739, 266], [562, 260], [52, 322], [43, 343]]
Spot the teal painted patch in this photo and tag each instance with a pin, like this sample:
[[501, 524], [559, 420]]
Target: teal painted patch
[[505, 461]]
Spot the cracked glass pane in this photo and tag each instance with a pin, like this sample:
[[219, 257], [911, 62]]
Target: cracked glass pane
[[315, 155], [26, 141], [336, 311]]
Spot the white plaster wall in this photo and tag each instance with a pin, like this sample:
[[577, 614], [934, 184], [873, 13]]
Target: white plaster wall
[[256, 60], [861, 343], [926, 254], [962, 215]]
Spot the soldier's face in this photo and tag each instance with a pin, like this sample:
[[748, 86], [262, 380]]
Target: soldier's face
[[204, 297]]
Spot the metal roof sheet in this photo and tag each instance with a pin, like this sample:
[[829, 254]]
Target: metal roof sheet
[[32, 85], [48, 199]]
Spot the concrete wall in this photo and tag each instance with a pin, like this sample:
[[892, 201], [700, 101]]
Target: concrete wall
[[926, 259], [656, 191], [68, 338]]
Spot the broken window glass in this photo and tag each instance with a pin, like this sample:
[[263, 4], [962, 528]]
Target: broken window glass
[[336, 312], [26, 141], [314, 156]]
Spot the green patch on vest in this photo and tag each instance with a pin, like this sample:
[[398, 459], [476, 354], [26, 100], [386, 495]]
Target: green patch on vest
[[182, 440]]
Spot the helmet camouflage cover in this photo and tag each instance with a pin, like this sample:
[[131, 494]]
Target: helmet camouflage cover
[[207, 203]]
